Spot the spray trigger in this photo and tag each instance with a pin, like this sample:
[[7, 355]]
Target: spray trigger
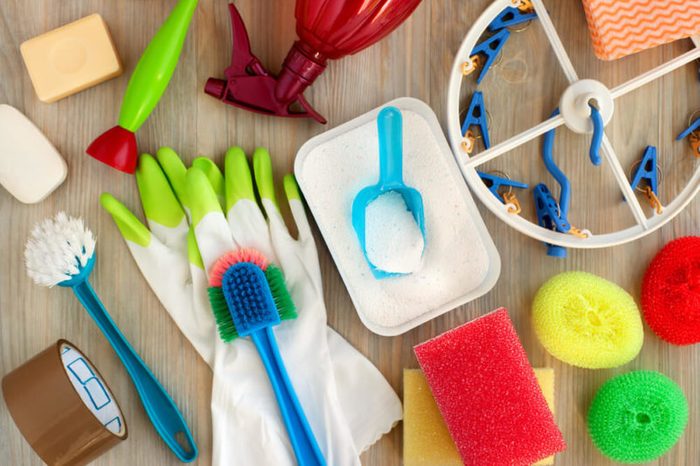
[[249, 85]]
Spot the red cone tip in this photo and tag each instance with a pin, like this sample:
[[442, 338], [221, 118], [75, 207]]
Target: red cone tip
[[117, 148]]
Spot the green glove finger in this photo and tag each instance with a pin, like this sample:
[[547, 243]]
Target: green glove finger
[[216, 178], [201, 195], [291, 188], [262, 166], [193, 254], [175, 171], [130, 227], [239, 182], [157, 197]]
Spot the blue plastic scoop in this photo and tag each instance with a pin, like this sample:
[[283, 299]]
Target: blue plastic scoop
[[389, 126]]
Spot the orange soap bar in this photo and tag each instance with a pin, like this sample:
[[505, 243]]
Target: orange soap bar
[[71, 58], [426, 440]]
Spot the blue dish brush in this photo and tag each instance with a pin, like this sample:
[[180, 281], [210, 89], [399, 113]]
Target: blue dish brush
[[61, 251], [248, 297]]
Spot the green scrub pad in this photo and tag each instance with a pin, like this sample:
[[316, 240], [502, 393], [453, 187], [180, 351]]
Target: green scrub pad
[[637, 417]]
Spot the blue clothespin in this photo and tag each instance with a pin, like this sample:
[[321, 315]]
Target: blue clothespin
[[495, 183], [550, 217], [646, 171], [491, 48], [690, 129], [549, 212], [511, 16], [476, 116]]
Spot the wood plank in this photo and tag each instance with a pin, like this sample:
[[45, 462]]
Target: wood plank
[[413, 61]]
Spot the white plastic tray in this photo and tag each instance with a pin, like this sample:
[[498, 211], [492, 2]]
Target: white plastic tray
[[332, 167]]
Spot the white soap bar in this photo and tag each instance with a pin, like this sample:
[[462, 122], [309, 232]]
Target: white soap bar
[[30, 167], [393, 240]]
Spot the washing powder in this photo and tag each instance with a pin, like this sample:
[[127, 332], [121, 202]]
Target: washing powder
[[459, 262], [393, 239]]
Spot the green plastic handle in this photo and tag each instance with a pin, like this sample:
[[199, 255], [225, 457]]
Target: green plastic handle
[[156, 67]]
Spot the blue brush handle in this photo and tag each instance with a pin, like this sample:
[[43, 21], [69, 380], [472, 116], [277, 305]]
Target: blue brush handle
[[389, 127], [302, 438], [161, 409]]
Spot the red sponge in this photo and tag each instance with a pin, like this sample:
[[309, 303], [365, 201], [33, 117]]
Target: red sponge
[[488, 394], [671, 292]]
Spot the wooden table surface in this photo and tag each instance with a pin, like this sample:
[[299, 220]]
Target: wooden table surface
[[413, 61]]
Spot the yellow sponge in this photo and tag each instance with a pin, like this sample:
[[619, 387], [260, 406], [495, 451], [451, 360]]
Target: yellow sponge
[[545, 377], [587, 321], [426, 441]]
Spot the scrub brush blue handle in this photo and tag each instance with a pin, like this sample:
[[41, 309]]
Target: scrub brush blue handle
[[161, 409], [249, 297], [300, 435], [61, 251]]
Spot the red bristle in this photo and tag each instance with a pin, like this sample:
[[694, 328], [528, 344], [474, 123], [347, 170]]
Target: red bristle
[[234, 257], [671, 292], [488, 394]]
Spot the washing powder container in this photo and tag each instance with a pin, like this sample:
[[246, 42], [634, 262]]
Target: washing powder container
[[460, 261]]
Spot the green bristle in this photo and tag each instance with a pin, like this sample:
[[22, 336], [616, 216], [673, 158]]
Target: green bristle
[[224, 321], [280, 294]]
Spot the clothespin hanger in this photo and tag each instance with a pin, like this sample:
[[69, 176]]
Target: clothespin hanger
[[647, 172], [691, 132], [502, 186], [489, 48], [475, 116], [512, 16]]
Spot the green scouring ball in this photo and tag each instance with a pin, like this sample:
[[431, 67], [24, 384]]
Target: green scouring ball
[[637, 417]]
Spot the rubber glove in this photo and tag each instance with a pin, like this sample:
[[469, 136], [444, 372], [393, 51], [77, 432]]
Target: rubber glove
[[348, 403]]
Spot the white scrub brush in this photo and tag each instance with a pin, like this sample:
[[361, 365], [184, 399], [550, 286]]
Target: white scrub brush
[[61, 251]]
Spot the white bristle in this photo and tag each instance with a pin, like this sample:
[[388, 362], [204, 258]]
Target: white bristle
[[56, 248]]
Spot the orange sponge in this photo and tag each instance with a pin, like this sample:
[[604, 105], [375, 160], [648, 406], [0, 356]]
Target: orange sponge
[[619, 28], [426, 441]]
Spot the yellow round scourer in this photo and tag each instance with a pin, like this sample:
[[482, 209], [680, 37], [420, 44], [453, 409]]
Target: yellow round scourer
[[587, 321]]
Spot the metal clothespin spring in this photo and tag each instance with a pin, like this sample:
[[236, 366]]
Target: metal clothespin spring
[[511, 202], [694, 140], [653, 200], [525, 6], [468, 142], [580, 232], [471, 65]]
